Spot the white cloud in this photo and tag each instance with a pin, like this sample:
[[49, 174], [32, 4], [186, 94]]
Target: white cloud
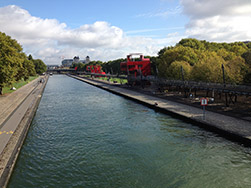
[[218, 20], [50, 40], [22, 25]]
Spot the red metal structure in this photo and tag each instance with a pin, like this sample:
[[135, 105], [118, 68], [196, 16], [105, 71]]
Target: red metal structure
[[94, 69], [137, 67]]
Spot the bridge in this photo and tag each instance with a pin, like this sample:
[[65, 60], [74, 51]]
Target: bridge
[[61, 71]]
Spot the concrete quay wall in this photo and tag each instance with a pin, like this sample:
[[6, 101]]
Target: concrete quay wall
[[229, 127]]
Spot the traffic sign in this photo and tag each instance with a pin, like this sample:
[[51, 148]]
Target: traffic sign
[[203, 101]]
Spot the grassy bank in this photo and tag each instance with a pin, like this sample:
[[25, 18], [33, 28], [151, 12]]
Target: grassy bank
[[118, 80], [18, 84]]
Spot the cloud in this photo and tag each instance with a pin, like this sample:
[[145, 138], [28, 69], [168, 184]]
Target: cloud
[[95, 35], [218, 20], [50, 40], [22, 25]]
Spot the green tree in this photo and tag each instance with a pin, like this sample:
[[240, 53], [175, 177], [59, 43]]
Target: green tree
[[192, 43], [40, 67], [209, 68], [248, 44], [247, 57], [175, 70], [239, 48], [113, 66], [25, 69], [80, 67], [235, 70], [10, 60], [181, 53], [29, 68], [178, 53], [226, 55]]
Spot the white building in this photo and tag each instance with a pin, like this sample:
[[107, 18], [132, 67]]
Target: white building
[[76, 59]]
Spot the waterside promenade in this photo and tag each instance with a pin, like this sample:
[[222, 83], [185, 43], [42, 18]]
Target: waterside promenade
[[17, 110], [229, 127]]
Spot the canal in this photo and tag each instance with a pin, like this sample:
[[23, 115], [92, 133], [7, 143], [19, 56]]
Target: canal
[[82, 136]]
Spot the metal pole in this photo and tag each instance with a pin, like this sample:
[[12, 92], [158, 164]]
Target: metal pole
[[223, 74], [182, 73], [204, 112], [224, 82]]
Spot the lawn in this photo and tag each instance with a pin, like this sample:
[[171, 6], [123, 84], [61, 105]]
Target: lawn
[[118, 80], [18, 84]]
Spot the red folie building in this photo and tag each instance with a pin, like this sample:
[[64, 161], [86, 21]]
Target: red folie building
[[94, 69], [137, 67]]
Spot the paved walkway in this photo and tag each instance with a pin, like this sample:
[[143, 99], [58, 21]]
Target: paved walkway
[[13, 108], [11, 101], [227, 125]]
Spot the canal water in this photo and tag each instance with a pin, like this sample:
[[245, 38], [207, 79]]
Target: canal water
[[83, 136]]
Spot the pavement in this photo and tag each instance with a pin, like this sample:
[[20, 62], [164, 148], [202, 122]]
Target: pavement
[[235, 129]]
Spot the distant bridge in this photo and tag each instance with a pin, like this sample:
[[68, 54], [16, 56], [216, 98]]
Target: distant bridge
[[61, 71]]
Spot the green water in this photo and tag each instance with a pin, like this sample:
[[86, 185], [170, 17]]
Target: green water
[[83, 136]]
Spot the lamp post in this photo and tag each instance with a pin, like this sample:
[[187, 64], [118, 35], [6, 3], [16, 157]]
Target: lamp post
[[224, 82], [223, 74], [182, 73]]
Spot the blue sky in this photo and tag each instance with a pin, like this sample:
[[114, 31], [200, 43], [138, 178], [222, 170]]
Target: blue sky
[[110, 29], [151, 17]]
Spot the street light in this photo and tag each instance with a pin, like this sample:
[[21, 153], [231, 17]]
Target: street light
[[182, 73], [223, 73]]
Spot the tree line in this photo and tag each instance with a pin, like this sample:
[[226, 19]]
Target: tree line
[[15, 64], [196, 60], [192, 59]]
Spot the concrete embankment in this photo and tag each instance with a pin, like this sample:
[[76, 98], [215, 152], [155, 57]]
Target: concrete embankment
[[17, 111], [231, 128]]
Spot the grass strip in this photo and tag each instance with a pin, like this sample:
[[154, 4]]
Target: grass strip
[[18, 84]]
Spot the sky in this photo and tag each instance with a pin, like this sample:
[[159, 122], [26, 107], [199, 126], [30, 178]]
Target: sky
[[53, 30]]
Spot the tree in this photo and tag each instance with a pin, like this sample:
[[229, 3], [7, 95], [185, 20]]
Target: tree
[[247, 57], [29, 69], [181, 53], [10, 60], [192, 43], [80, 67], [247, 78], [113, 66], [239, 48], [40, 67], [209, 68], [174, 70], [226, 55], [178, 53], [235, 70]]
